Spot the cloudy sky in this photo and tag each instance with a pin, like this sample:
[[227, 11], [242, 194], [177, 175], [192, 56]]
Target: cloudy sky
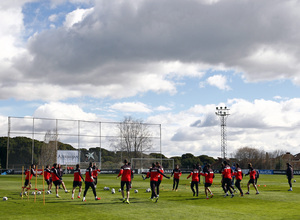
[[168, 62]]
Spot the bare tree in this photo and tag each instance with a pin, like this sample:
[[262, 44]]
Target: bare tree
[[48, 151], [135, 137]]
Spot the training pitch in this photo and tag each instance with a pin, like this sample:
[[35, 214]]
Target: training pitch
[[273, 202]]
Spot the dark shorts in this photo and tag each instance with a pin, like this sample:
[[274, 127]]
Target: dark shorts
[[27, 183], [251, 181], [127, 185], [207, 184], [57, 182], [49, 181], [77, 183]]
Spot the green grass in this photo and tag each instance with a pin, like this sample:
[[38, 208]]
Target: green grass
[[273, 202]]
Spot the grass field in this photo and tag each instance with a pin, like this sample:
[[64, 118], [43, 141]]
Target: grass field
[[273, 202]]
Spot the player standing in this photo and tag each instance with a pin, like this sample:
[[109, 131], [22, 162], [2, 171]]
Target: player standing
[[57, 180], [177, 173], [238, 173], [125, 172], [89, 182], [252, 174], [289, 175], [77, 181], [195, 180], [227, 179], [47, 177], [29, 174], [96, 171], [209, 178]]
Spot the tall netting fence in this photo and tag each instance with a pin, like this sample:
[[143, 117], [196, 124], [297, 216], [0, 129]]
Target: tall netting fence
[[45, 141]]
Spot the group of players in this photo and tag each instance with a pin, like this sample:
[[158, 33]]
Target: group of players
[[156, 174], [54, 176]]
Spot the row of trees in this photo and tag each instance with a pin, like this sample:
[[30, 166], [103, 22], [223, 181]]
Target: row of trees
[[259, 158]]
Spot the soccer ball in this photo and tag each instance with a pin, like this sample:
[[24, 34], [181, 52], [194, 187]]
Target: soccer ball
[[5, 198], [120, 190], [39, 193], [148, 190], [113, 191], [48, 192], [294, 181], [33, 193], [136, 191]]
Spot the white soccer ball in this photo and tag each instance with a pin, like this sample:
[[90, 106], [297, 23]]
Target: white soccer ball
[[5, 198], [39, 193], [120, 190], [33, 193], [148, 190], [113, 191], [48, 192], [294, 181], [136, 191]]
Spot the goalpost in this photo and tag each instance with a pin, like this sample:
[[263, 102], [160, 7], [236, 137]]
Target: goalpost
[[143, 164]]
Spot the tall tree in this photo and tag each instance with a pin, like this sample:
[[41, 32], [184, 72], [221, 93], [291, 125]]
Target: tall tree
[[135, 137]]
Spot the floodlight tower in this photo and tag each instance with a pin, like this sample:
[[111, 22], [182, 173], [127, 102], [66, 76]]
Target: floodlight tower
[[223, 113]]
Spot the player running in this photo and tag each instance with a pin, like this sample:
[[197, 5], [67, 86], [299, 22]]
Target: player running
[[126, 173], [177, 173], [252, 174], [289, 175], [47, 177], [89, 182], [227, 179], [29, 174], [153, 174], [95, 173], [238, 173], [195, 180], [57, 179], [77, 181], [209, 178]]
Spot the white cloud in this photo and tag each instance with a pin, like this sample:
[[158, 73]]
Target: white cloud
[[131, 107], [77, 16], [58, 110], [218, 81]]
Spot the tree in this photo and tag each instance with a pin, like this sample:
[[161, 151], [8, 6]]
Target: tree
[[49, 148], [188, 160], [135, 137]]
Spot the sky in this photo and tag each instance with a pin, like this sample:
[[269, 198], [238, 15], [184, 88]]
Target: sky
[[168, 62]]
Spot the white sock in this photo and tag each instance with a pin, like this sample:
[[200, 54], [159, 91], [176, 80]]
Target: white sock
[[79, 193], [72, 195]]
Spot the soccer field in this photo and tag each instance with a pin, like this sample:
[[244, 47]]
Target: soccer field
[[273, 202]]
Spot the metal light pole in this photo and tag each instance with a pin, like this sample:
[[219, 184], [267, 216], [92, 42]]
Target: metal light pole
[[223, 113]]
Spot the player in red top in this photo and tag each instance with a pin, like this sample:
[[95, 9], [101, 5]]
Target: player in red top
[[95, 173], [209, 178], [47, 177], [77, 181], [177, 173], [227, 178], [195, 180], [125, 172], [89, 182], [252, 174], [57, 179], [238, 173], [153, 174], [160, 177], [28, 176]]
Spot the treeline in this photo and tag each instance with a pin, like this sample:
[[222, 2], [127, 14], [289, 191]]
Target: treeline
[[20, 154]]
